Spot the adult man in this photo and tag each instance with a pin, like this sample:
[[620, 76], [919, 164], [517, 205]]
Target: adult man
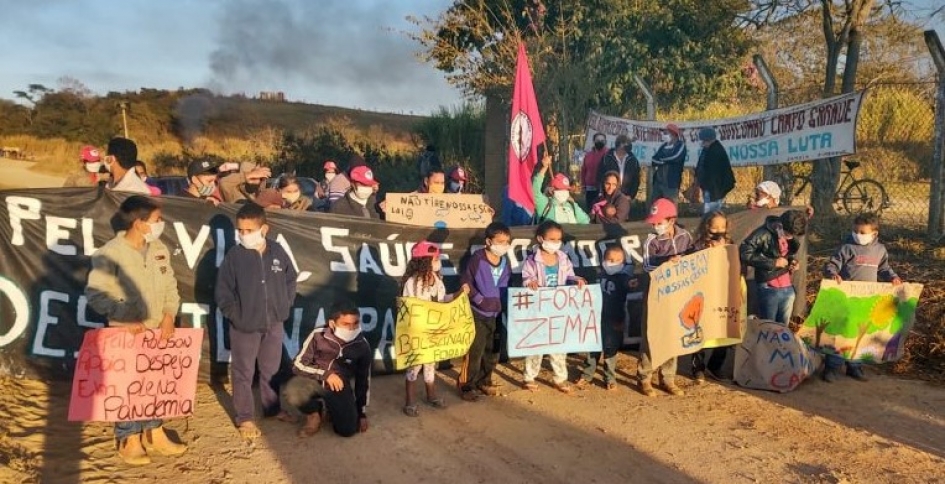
[[202, 181], [89, 172], [360, 200], [668, 164], [622, 161], [245, 184], [590, 168], [713, 171], [120, 161]]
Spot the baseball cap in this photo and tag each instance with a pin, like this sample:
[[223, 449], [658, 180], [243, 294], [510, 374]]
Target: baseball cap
[[330, 165], [770, 187], [458, 174], [425, 249], [661, 210], [199, 167], [560, 182], [90, 154], [672, 128], [363, 175]]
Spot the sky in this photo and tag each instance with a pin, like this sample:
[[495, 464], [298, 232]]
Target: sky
[[351, 53]]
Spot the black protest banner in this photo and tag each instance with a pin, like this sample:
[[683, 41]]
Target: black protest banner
[[47, 237]]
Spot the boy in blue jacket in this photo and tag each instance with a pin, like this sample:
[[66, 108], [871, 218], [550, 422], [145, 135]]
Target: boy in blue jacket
[[487, 276], [255, 290]]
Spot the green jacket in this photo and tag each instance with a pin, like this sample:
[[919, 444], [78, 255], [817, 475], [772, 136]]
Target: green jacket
[[545, 206]]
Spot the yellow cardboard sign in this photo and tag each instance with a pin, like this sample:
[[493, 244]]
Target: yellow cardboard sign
[[428, 332]]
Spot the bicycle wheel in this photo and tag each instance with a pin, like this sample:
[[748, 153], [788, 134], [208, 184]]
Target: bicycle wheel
[[865, 195], [800, 188]]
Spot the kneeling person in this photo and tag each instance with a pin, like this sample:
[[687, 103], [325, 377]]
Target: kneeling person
[[330, 359]]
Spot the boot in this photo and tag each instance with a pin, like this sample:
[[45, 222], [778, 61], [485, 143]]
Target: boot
[[155, 440], [131, 451], [855, 371], [829, 374], [832, 364]]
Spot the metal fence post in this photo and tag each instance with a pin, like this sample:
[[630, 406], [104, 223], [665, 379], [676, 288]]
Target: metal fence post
[[937, 198], [650, 116], [782, 174]]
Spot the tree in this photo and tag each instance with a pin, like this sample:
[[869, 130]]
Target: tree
[[33, 94]]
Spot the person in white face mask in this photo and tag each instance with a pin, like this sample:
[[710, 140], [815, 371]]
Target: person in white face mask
[[334, 186], [292, 197], [360, 200], [558, 206], [91, 172], [255, 290], [767, 195], [132, 284]]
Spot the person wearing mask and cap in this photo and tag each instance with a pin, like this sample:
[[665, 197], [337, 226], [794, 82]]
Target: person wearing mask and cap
[[767, 195], [360, 200], [622, 161], [713, 171], [90, 170], [668, 163], [334, 186], [590, 169], [558, 206], [457, 180], [245, 184], [202, 181], [120, 161]]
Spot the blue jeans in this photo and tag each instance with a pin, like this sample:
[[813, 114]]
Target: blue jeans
[[123, 430], [709, 204], [775, 303]]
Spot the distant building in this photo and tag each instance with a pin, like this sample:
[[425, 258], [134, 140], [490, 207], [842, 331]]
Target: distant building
[[272, 96]]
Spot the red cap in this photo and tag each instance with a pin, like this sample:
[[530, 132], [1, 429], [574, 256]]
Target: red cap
[[672, 128], [560, 182], [425, 249], [90, 154], [330, 165], [458, 174], [661, 210], [363, 175]]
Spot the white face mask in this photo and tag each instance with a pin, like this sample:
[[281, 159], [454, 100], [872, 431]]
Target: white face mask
[[292, 197], [253, 240], [562, 196], [612, 269], [157, 228], [762, 202], [93, 167], [362, 194], [347, 335], [667, 138], [549, 246], [499, 250], [863, 239], [661, 229], [330, 176]]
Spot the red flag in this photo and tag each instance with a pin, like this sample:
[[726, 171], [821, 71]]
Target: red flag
[[527, 134]]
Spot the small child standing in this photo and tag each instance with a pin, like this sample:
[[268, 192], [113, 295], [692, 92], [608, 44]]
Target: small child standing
[[713, 232], [548, 266], [861, 257], [668, 243], [615, 283], [422, 280]]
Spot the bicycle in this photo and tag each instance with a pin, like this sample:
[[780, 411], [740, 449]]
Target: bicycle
[[855, 195]]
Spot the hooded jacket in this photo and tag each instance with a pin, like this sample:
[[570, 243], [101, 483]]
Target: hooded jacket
[[346, 206], [855, 262], [323, 354], [255, 291], [547, 208], [669, 160], [485, 295], [630, 184], [533, 269], [714, 171], [760, 250]]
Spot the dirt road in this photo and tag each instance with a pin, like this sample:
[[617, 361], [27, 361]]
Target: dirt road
[[17, 174]]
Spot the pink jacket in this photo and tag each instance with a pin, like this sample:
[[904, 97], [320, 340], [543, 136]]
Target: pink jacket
[[533, 269]]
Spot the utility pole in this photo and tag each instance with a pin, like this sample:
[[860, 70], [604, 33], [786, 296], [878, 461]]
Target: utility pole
[[124, 116]]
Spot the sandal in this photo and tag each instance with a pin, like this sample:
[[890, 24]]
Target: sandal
[[611, 386], [581, 384], [564, 387], [436, 402], [530, 386], [411, 410], [249, 431]]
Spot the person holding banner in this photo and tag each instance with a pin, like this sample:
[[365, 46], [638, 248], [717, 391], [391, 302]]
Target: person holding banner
[[434, 182], [330, 360], [422, 280], [667, 244], [772, 250], [255, 291], [713, 171], [360, 200], [487, 277], [132, 284], [559, 206], [548, 266], [712, 232], [621, 160], [668, 162], [292, 197]]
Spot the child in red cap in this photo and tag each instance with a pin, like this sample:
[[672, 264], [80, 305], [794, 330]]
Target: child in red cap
[[559, 206]]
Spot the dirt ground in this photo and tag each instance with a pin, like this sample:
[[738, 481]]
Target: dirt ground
[[18, 173]]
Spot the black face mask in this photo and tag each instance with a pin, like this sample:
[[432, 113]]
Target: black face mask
[[253, 188], [599, 144], [717, 235]]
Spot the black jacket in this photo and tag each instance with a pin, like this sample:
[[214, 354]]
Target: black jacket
[[255, 291], [346, 206], [668, 162], [631, 172], [760, 250], [323, 355], [714, 171]]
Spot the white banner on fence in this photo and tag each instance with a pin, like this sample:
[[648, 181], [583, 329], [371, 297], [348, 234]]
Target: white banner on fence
[[805, 132]]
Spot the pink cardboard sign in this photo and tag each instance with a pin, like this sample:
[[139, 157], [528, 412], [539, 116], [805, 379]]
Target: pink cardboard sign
[[123, 377]]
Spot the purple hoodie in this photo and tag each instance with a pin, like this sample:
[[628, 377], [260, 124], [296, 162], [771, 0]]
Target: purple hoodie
[[485, 295], [533, 269]]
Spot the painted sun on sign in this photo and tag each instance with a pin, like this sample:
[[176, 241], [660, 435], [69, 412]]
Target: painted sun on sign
[[521, 135], [689, 317]]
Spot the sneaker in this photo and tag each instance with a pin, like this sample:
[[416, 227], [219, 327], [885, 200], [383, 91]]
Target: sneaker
[[646, 388], [855, 372], [699, 377]]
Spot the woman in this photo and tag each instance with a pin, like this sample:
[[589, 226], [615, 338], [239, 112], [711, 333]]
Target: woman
[[292, 196], [612, 206]]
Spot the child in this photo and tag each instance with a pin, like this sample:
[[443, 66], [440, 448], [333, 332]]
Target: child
[[255, 290], [487, 276], [712, 232], [548, 266], [861, 257], [329, 360], [615, 282], [422, 280], [132, 284], [669, 242], [771, 250]]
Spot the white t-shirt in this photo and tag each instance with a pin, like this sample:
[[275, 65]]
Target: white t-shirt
[[436, 292]]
